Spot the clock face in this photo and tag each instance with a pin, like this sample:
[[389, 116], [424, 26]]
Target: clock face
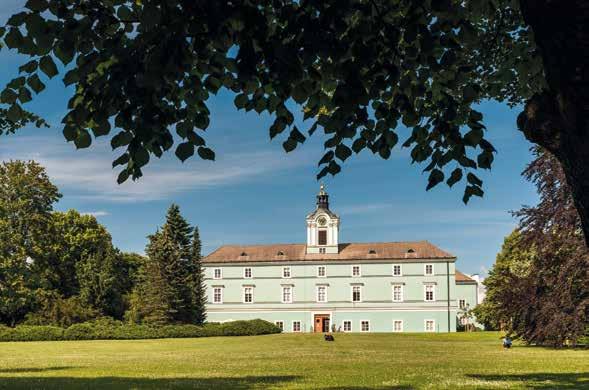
[[321, 221]]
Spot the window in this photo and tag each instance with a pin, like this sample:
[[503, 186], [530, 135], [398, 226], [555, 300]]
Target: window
[[321, 271], [248, 294], [430, 325], [397, 270], [322, 237], [462, 303], [347, 326], [365, 326], [429, 269], [397, 325], [356, 294], [322, 250], [286, 272], [217, 273], [217, 294], [296, 326], [286, 294], [355, 270], [247, 273], [279, 324], [429, 292], [321, 293], [397, 293]]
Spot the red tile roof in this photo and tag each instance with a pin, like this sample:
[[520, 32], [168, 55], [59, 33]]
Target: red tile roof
[[349, 251], [462, 278]]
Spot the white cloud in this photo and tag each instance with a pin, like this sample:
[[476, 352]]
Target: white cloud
[[87, 174], [96, 213]]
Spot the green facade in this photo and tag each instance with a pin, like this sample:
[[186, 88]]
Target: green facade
[[375, 283]]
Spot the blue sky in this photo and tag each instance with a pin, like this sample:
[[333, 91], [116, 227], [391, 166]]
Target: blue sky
[[256, 193]]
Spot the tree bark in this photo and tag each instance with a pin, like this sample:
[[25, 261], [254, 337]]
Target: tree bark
[[558, 118]]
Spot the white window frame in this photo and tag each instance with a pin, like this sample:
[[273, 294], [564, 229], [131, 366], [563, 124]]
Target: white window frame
[[220, 294], [317, 293], [361, 328], [245, 272], [425, 286], [243, 294], [344, 326], [425, 325], [282, 294], [462, 303], [281, 326], [289, 272], [324, 271], [322, 251], [395, 330], [352, 293], [425, 269], [293, 326], [400, 270], [359, 271], [215, 273], [393, 293]]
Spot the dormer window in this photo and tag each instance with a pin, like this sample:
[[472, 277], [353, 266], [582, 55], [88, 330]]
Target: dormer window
[[280, 253], [410, 250], [243, 254], [372, 252]]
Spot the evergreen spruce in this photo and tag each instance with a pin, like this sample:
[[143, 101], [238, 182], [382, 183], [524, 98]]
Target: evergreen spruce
[[196, 281]]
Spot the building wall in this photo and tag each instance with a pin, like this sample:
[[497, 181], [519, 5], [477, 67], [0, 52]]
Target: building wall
[[375, 280]]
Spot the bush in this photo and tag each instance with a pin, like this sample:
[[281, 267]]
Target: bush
[[31, 333], [108, 329]]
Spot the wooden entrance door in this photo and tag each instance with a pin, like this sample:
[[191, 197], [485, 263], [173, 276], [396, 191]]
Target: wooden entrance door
[[321, 323]]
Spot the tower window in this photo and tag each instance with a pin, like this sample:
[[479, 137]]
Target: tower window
[[322, 238]]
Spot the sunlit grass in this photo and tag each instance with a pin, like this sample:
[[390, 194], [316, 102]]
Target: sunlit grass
[[353, 361]]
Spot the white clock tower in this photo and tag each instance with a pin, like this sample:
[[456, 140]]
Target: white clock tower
[[322, 227]]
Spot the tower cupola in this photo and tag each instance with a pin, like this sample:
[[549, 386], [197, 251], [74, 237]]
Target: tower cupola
[[322, 227]]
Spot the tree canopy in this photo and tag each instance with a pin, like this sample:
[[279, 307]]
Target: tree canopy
[[357, 69], [371, 74]]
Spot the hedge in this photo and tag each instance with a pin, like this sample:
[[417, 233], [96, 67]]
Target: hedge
[[109, 329]]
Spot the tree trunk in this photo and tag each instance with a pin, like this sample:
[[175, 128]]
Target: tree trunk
[[558, 118]]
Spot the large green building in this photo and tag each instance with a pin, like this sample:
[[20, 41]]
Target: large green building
[[325, 285]]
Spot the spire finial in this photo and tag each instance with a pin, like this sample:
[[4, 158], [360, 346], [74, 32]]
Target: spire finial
[[322, 189]]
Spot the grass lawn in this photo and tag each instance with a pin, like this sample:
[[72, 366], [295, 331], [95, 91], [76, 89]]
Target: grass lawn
[[353, 361]]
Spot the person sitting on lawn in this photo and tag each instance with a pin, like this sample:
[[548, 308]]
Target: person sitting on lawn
[[507, 342]]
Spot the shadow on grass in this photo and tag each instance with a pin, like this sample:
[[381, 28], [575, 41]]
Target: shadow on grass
[[541, 380], [246, 382], [368, 388], [32, 369]]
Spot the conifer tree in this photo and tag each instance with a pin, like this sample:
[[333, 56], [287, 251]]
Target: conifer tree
[[196, 280], [179, 230]]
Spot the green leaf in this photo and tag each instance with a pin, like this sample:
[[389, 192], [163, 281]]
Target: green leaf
[[206, 153], [48, 66], [195, 139], [24, 95], [37, 5], [289, 145], [358, 145], [297, 135], [83, 139], [201, 121], [121, 160], [327, 157], [485, 159], [141, 157], [16, 83], [14, 38], [435, 177], [455, 177], [121, 139], [184, 151], [342, 152], [8, 96], [65, 52], [241, 100], [123, 176], [29, 67], [35, 83], [14, 113], [474, 180], [470, 191]]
